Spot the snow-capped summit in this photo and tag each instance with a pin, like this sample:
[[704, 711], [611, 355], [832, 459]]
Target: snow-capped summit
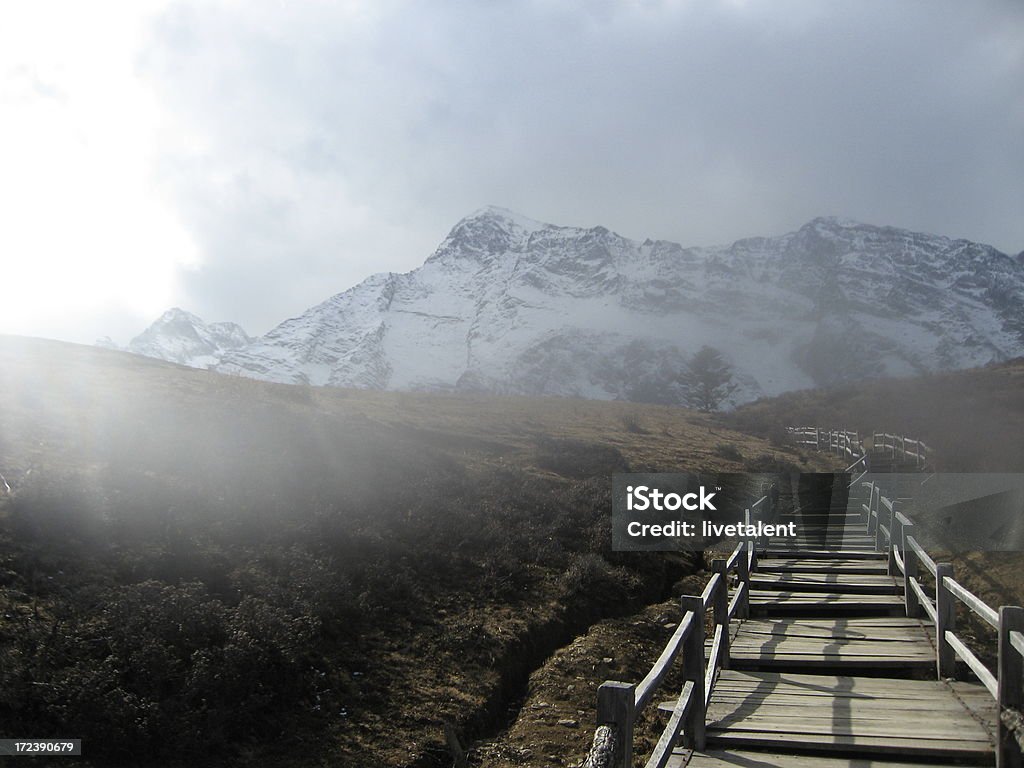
[[509, 304], [181, 337]]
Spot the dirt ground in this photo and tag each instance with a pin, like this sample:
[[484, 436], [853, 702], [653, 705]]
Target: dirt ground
[[555, 723]]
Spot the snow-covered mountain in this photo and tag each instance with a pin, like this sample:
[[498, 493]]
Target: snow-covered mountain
[[181, 337], [507, 304]]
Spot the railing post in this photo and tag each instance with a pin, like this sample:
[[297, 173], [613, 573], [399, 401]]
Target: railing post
[[743, 574], [751, 544], [910, 573], [894, 537], [867, 515], [615, 707], [1011, 684], [878, 526], [722, 608], [945, 621], [693, 671], [873, 509]]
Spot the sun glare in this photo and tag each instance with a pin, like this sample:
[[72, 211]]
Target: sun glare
[[84, 229]]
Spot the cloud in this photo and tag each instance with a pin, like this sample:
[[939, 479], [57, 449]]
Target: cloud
[[85, 243], [304, 146]]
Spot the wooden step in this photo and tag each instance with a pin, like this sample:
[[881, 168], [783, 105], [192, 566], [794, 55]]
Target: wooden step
[[722, 758], [778, 602], [852, 715], [808, 565], [880, 643], [821, 554], [827, 581]]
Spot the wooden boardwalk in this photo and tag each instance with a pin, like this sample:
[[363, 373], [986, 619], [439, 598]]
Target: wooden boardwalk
[[821, 674], [839, 650]]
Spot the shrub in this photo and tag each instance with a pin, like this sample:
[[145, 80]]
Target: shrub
[[577, 458], [728, 451]]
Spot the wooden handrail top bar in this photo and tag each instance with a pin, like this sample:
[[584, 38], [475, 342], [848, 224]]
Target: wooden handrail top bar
[[903, 519], [714, 661], [734, 558], [736, 598], [899, 559], [921, 554], [972, 601], [663, 750], [979, 669], [709, 590], [1017, 642], [923, 599], [646, 688]]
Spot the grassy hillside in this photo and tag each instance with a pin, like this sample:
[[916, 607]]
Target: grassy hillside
[[210, 569], [973, 419]]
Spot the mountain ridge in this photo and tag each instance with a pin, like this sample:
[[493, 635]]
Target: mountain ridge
[[512, 305]]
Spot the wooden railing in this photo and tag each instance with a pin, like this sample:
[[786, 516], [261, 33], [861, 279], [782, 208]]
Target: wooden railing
[[937, 597], [839, 442], [894, 535], [847, 443], [902, 448], [620, 704]]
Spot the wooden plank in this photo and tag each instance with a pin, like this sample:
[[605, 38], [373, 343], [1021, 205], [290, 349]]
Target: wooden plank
[[888, 744], [827, 712], [821, 598], [828, 577], [770, 647], [827, 554], [831, 684], [878, 627], [666, 743], [653, 679], [980, 670], [861, 663], [717, 758], [817, 566], [843, 724], [973, 602], [827, 582], [894, 707], [772, 602]]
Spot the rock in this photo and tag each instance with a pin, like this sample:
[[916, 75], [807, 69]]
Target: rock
[[569, 723]]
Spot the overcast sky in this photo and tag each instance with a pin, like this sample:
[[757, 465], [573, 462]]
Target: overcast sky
[[245, 160]]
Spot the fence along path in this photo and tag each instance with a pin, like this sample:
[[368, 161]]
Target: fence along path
[[819, 656]]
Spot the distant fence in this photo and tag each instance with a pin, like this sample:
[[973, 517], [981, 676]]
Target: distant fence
[[902, 448], [898, 449]]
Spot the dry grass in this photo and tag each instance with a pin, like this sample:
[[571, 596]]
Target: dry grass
[[441, 542]]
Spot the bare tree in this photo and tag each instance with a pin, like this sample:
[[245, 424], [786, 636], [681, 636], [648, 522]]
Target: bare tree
[[707, 380]]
